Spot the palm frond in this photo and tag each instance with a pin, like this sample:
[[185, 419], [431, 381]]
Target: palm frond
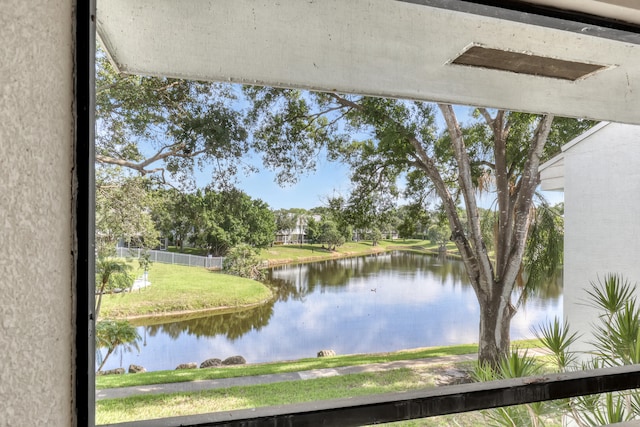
[[558, 339]]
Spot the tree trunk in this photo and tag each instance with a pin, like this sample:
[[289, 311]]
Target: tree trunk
[[495, 321], [109, 351], [99, 299]]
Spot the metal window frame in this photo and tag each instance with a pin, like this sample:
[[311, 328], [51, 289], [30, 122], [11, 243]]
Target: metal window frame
[[343, 412], [83, 209]]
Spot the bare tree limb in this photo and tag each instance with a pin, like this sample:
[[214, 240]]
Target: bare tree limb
[[485, 163], [487, 116], [502, 188], [524, 198], [165, 152], [345, 102], [466, 185]]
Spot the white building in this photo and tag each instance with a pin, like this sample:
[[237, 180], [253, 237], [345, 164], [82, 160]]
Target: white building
[[298, 234], [599, 172]]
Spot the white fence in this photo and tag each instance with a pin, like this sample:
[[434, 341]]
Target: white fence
[[173, 258]]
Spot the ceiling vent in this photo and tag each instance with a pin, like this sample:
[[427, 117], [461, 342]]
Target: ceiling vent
[[525, 63]]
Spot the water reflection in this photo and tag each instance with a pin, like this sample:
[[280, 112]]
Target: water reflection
[[229, 325], [374, 303], [302, 279]]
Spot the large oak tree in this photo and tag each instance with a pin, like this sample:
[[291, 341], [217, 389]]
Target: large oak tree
[[384, 140], [166, 128], [155, 133], [222, 220]]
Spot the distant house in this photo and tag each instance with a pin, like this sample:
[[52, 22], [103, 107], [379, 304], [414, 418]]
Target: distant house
[[297, 234], [387, 234], [599, 172]]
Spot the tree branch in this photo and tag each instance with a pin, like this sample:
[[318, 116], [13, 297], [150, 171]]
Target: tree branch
[[103, 88], [485, 163], [487, 116], [524, 198], [465, 181], [502, 187], [170, 85], [141, 167], [429, 167], [346, 102]]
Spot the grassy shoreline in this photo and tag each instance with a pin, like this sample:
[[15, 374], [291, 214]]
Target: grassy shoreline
[[175, 376], [307, 252], [181, 292], [142, 407], [289, 254], [183, 315], [254, 396], [177, 290]]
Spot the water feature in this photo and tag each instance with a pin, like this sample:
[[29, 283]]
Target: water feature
[[374, 303]]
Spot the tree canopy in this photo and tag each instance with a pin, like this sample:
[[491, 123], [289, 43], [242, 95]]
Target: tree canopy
[[330, 235], [388, 140], [167, 128], [123, 210], [112, 334], [216, 220]]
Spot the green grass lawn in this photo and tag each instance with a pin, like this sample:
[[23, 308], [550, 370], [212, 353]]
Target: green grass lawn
[[176, 404], [176, 288], [173, 376], [160, 377], [243, 397], [315, 252]]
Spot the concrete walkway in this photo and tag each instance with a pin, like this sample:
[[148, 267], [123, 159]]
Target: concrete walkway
[[140, 283], [200, 385]]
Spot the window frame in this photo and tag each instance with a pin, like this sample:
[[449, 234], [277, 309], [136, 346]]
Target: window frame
[[344, 412], [83, 212]]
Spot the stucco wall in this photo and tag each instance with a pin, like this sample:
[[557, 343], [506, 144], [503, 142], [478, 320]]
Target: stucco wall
[[602, 227], [36, 93]]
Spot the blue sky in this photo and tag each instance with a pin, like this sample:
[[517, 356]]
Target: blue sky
[[329, 179], [311, 190]]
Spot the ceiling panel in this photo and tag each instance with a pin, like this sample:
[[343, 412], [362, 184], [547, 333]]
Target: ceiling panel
[[377, 47]]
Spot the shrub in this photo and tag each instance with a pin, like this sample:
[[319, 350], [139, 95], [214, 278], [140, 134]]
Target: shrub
[[242, 260]]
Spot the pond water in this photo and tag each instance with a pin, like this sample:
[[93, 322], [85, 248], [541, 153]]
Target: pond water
[[367, 304]]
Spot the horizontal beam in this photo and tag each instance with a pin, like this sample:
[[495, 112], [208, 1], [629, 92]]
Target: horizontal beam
[[542, 16], [417, 404], [398, 49]]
